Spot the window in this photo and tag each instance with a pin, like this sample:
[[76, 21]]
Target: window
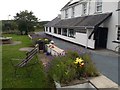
[[99, 6], [46, 29], [49, 29], [64, 32], [59, 30], [73, 11], [71, 33], [84, 8], [55, 30], [66, 13], [118, 34]]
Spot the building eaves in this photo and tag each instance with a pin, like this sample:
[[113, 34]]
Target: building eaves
[[53, 22], [90, 21]]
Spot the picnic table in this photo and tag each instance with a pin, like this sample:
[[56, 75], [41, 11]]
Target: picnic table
[[54, 50]]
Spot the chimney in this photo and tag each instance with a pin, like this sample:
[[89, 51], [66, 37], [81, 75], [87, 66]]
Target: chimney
[[59, 15]]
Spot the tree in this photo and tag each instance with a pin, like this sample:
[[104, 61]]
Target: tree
[[26, 21]]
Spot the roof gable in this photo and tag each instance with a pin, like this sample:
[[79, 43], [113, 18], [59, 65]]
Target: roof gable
[[70, 3]]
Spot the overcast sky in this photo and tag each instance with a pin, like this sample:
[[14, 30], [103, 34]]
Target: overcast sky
[[43, 9]]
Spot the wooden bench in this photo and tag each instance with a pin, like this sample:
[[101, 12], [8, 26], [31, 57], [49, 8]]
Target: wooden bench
[[24, 62]]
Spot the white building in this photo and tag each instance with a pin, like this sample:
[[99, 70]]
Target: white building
[[90, 23]]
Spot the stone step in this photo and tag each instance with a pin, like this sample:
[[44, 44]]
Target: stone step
[[103, 82]]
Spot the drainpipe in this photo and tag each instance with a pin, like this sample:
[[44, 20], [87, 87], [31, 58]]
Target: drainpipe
[[87, 38]]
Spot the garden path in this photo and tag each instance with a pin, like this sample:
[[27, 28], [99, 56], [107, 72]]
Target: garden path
[[26, 49], [46, 60]]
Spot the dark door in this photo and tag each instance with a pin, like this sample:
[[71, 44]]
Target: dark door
[[101, 37]]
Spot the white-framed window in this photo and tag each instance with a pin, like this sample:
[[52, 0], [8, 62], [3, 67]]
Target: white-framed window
[[84, 8], [71, 33], [73, 11], [66, 13], [46, 29], [99, 6], [64, 31], [55, 30], [49, 29], [59, 31], [118, 34]]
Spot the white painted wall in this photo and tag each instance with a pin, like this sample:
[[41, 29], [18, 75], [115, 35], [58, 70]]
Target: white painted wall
[[108, 6], [112, 30], [78, 10], [119, 13], [80, 38]]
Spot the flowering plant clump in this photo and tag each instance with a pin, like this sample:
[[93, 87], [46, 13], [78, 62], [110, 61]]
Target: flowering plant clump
[[72, 66], [80, 69]]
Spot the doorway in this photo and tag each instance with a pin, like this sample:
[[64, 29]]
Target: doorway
[[100, 37]]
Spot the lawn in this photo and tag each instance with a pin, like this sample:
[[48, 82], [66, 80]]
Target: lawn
[[38, 79]]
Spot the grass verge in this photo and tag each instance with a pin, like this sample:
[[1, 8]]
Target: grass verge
[[38, 78]]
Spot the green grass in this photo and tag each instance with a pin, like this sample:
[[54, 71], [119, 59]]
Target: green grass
[[38, 78]]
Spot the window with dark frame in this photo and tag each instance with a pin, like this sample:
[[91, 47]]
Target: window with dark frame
[[49, 29], [71, 33], [73, 11], [64, 31], [66, 13], [84, 8], [59, 31], [55, 30], [118, 34]]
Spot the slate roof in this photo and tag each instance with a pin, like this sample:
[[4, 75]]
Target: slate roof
[[90, 21], [82, 22], [94, 20], [53, 22]]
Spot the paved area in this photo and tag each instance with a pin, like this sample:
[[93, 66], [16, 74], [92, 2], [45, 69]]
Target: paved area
[[46, 60], [26, 49], [13, 43], [105, 52], [103, 82], [95, 83], [106, 61]]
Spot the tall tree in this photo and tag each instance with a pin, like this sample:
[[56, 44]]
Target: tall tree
[[26, 21]]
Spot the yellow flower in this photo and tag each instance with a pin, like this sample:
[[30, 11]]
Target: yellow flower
[[39, 39], [46, 39], [78, 60]]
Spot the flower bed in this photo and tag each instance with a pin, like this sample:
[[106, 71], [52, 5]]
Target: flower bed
[[71, 67]]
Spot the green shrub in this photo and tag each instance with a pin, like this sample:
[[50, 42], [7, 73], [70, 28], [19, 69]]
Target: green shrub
[[72, 55], [90, 68], [64, 70]]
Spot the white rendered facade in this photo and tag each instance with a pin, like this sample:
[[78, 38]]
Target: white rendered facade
[[91, 7]]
